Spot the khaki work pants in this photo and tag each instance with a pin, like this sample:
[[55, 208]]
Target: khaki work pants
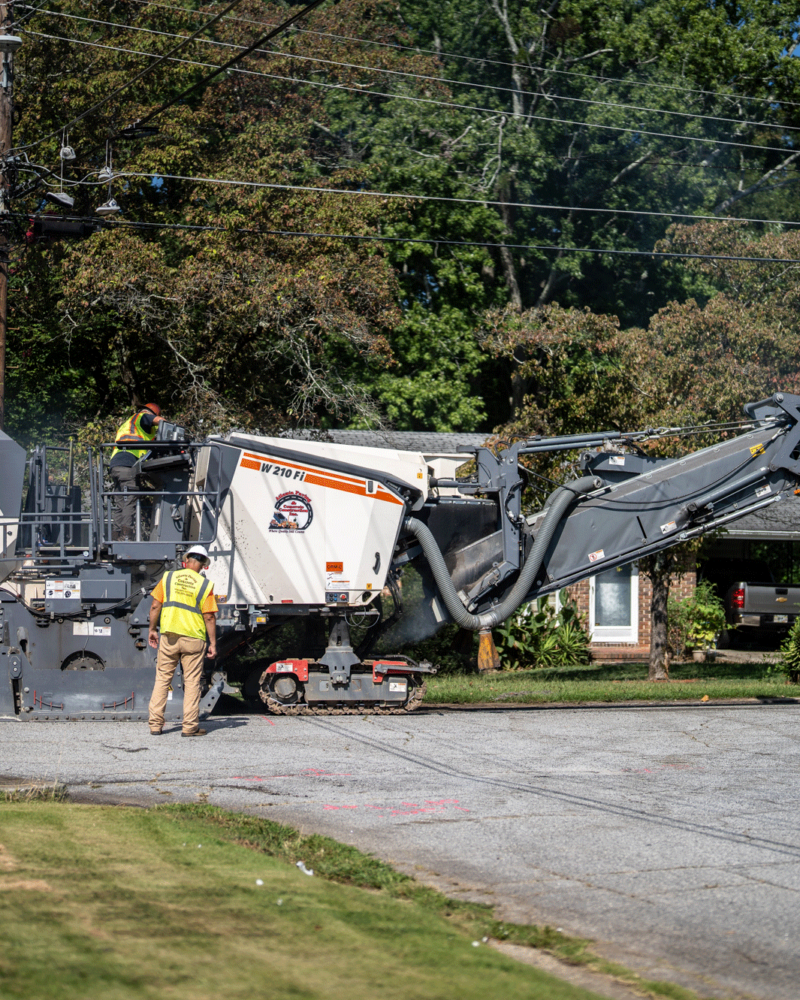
[[191, 653]]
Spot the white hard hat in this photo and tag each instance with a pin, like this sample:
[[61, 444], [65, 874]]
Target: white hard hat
[[196, 550]]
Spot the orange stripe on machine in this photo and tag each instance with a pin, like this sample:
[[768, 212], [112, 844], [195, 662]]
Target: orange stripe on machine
[[313, 477], [304, 468]]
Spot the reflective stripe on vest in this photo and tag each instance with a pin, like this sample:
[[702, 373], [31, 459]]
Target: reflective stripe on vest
[[184, 616], [132, 432]]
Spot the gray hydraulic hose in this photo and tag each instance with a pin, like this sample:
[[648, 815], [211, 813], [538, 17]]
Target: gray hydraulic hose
[[557, 504]]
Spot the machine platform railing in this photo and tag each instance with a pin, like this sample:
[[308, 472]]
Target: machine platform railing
[[174, 514], [67, 523]]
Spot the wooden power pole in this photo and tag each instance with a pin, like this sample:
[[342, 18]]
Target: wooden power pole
[[8, 46]]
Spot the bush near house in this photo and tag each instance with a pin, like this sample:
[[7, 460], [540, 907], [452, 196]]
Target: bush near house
[[696, 621], [538, 635], [788, 662]]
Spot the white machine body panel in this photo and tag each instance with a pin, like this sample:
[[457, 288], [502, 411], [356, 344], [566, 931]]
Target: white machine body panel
[[296, 530]]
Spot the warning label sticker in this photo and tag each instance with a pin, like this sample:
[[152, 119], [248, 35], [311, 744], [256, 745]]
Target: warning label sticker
[[89, 628], [62, 590]]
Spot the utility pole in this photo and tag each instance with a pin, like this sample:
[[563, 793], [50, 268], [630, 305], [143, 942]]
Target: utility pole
[[8, 46]]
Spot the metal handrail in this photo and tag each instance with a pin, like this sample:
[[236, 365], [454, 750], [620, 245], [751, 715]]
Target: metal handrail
[[66, 535], [209, 499]]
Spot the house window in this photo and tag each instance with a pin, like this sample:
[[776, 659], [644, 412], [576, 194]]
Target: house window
[[614, 605]]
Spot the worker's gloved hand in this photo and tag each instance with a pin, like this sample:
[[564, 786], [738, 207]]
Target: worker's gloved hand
[[152, 638]]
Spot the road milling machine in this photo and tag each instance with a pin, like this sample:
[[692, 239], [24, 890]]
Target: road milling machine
[[306, 535]]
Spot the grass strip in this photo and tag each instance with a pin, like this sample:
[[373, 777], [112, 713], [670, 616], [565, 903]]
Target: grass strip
[[345, 864], [604, 682], [125, 903]]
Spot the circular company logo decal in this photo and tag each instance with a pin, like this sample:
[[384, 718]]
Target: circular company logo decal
[[292, 513]]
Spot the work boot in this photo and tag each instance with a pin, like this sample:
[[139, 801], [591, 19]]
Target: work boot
[[196, 732], [155, 732]]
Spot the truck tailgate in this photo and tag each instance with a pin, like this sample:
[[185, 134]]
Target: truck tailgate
[[768, 599]]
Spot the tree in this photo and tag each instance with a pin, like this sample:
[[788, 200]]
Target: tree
[[544, 128], [694, 365], [228, 327]]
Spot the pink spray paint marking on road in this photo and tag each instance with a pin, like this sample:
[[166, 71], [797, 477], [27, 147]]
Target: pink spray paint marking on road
[[411, 808], [662, 767]]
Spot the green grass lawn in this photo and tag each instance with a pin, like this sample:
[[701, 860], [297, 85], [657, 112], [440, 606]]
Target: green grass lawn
[[610, 682], [120, 903]]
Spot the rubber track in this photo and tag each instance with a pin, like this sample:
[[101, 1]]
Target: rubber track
[[413, 703]]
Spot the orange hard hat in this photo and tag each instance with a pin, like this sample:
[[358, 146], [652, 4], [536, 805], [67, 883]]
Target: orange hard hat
[[153, 408]]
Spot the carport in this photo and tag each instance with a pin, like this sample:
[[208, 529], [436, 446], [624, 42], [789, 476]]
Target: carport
[[771, 534]]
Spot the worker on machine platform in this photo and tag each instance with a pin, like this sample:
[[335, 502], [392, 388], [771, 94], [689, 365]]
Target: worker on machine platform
[[184, 602], [140, 429]]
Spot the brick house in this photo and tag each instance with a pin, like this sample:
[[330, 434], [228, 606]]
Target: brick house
[[616, 604], [616, 607]]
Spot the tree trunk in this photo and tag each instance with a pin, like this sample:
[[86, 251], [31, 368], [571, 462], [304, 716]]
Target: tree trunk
[[659, 650]]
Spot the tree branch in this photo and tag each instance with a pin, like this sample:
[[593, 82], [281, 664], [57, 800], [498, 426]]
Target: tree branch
[[724, 206]]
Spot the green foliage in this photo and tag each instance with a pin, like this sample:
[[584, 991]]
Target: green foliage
[[695, 622], [539, 636], [450, 651], [265, 331], [788, 662]]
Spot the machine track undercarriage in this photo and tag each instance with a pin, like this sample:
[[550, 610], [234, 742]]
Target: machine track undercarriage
[[375, 687]]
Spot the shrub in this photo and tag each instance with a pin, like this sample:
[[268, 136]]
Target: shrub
[[788, 662], [696, 621], [446, 651], [539, 636]]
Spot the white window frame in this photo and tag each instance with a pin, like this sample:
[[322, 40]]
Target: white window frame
[[616, 633]]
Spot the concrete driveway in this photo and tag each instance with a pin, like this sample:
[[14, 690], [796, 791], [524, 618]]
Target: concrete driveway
[[668, 835]]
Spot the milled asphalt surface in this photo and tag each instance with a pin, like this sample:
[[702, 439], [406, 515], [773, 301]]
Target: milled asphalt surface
[[667, 834]]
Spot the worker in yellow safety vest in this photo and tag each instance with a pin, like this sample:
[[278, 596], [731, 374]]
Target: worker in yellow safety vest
[[184, 602], [140, 429]]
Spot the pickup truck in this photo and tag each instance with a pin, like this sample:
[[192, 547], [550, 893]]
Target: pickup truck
[[755, 602]]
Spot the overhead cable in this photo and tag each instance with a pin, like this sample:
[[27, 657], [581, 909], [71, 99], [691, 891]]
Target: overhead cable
[[231, 62], [403, 196], [418, 50], [157, 60], [494, 112], [432, 79], [434, 241]]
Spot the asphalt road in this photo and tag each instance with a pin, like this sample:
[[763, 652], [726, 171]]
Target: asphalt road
[[668, 835]]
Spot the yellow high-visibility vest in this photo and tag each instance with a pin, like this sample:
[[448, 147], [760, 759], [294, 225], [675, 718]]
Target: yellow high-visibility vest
[[133, 432], [184, 593]]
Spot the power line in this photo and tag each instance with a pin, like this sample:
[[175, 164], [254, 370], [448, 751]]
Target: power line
[[231, 62], [400, 97], [17, 22], [429, 79], [433, 241], [148, 69], [402, 196], [494, 62]]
